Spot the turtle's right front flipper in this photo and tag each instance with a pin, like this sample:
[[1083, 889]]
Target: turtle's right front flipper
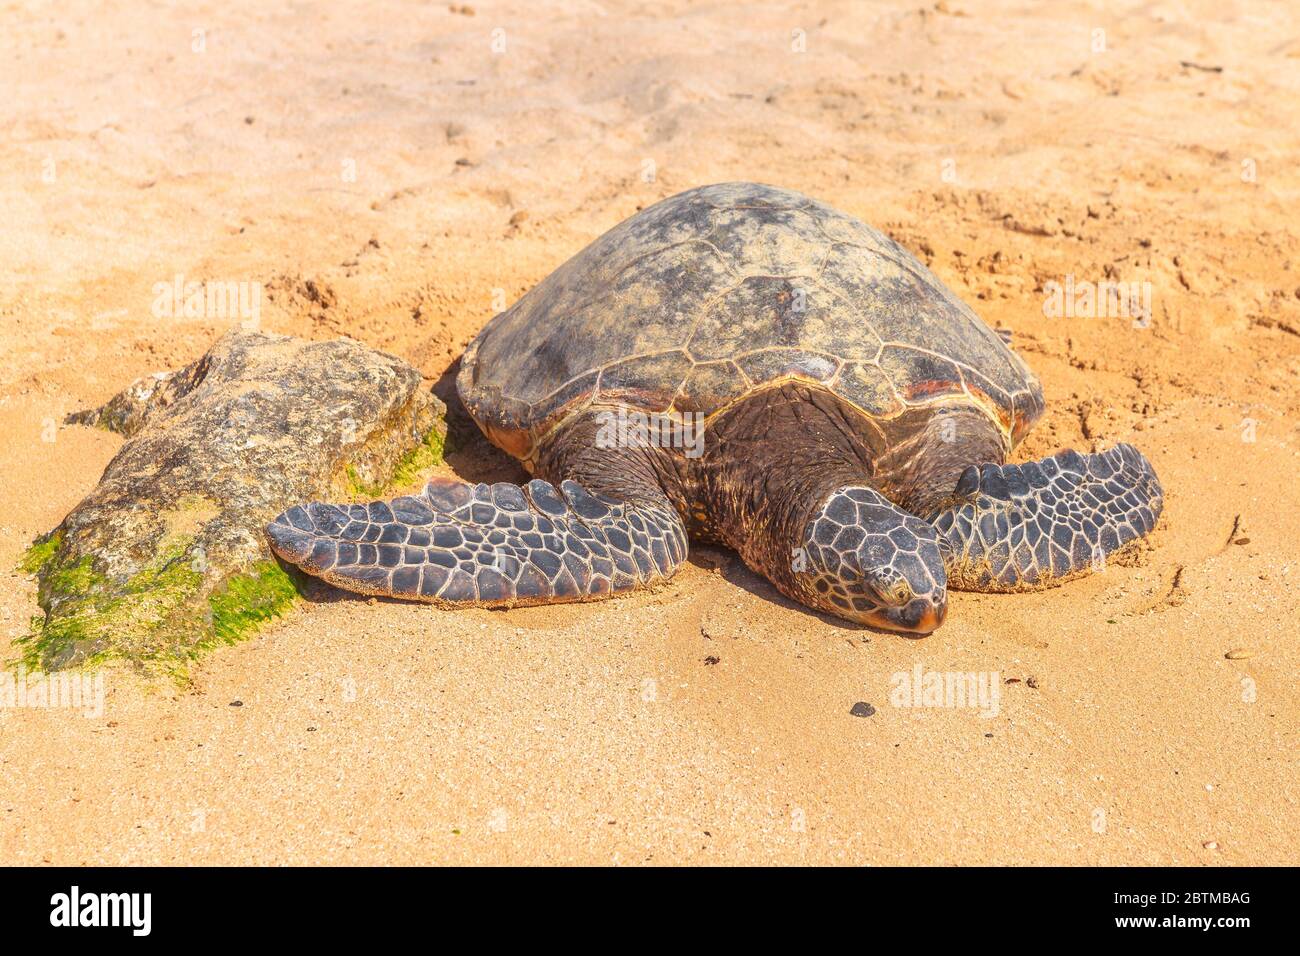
[[1031, 526], [485, 545]]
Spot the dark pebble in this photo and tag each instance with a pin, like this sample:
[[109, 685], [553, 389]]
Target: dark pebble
[[862, 709]]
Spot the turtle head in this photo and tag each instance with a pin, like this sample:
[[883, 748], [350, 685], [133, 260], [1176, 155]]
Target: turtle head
[[867, 561]]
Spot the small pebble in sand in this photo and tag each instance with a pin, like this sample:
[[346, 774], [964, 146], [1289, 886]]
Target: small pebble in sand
[[1210, 845], [711, 660], [1242, 541], [236, 703], [518, 217], [862, 709], [1239, 654]]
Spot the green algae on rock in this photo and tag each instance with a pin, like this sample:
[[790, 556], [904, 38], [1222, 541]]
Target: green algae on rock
[[166, 556]]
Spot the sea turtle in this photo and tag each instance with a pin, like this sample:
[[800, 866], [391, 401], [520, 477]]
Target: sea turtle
[[744, 365]]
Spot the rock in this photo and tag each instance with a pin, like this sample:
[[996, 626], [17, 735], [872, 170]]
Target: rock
[[862, 709], [125, 413], [167, 554]]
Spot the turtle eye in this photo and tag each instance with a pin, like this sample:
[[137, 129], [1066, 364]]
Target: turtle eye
[[890, 591]]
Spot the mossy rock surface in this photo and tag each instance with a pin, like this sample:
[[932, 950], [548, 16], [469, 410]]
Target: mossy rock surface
[[167, 555]]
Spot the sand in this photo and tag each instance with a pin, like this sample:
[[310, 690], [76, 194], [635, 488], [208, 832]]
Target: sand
[[398, 172]]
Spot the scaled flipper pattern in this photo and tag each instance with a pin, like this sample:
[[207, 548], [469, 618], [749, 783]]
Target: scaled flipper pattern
[[1032, 526], [459, 544]]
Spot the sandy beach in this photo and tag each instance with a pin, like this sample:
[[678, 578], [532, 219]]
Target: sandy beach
[[398, 172]]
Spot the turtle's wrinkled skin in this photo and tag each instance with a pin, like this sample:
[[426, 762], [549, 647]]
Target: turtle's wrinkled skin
[[857, 418]]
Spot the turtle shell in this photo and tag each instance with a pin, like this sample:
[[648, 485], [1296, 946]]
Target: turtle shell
[[709, 295]]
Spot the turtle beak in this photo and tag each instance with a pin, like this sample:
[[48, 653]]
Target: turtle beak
[[918, 617]]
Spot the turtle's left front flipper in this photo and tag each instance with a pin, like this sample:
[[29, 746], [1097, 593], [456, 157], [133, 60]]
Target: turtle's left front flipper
[[1032, 526]]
